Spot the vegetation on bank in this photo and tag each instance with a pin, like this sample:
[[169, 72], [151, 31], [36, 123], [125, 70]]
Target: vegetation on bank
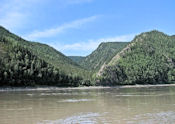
[[148, 59], [20, 67], [48, 54], [24, 63]]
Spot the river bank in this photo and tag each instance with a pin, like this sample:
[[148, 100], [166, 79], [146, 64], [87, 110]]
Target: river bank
[[46, 88]]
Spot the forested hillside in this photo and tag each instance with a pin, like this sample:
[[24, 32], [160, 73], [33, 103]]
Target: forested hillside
[[76, 59], [29, 63], [102, 54], [48, 54], [148, 59]]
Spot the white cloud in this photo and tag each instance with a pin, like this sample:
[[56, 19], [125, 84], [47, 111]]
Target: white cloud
[[90, 45], [12, 20], [54, 31], [14, 13]]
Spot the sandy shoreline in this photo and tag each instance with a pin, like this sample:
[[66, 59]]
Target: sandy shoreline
[[3, 89]]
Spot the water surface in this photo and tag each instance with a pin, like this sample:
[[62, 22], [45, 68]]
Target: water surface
[[155, 105]]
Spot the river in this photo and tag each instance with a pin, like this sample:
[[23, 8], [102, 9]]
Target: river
[[148, 105]]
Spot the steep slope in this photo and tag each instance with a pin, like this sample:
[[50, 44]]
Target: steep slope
[[20, 67], [149, 58], [76, 59], [48, 54], [102, 55], [24, 63]]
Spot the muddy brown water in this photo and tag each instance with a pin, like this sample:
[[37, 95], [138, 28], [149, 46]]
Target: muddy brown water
[[153, 105]]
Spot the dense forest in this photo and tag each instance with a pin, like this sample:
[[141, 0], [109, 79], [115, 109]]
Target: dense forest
[[48, 54], [76, 59], [148, 59], [24, 63], [102, 55], [19, 67]]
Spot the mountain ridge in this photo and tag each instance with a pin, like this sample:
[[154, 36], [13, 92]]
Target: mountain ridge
[[76, 59], [101, 55], [25, 63], [148, 58], [47, 53]]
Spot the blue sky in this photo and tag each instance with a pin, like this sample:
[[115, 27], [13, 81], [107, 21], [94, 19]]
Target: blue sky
[[77, 27]]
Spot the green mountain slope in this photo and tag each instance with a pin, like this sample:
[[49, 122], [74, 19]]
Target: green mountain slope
[[26, 63], [149, 58], [76, 59], [102, 55], [48, 54]]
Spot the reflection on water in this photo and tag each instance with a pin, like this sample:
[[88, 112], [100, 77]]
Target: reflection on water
[[124, 106]]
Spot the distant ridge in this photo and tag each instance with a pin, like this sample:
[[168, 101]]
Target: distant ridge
[[76, 59], [101, 55]]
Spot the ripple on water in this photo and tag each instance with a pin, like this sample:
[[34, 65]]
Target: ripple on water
[[158, 118], [54, 94], [141, 95], [82, 118], [76, 100], [29, 94], [17, 109]]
